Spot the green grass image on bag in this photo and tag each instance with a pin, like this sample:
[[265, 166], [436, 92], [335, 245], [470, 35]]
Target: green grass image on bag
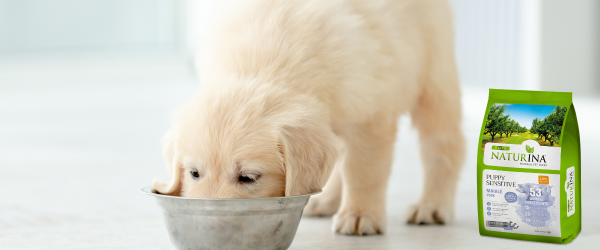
[[528, 167]]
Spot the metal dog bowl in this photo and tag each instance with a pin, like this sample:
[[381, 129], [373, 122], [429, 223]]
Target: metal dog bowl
[[262, 223]]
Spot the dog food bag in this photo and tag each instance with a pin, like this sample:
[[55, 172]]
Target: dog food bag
[[528, 167]]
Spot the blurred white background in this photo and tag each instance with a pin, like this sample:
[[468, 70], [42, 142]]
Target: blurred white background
[[87, 87], [537, 45]]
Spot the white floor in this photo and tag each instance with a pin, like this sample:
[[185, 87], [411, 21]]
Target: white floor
[[75, 148]]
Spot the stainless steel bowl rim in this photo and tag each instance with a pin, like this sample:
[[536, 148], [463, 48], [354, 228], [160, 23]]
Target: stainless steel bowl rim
[[148, 191]]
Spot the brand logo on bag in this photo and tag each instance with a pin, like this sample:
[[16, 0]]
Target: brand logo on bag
[[527, 155], [529, 149], [520, 157], [570, 189]]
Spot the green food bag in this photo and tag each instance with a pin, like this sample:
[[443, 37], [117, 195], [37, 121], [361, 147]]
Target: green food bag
[[528, 167]]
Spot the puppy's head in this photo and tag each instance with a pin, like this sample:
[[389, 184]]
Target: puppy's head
[[239, 142]]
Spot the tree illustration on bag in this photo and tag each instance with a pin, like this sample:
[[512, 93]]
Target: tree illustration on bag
[[496, 121], [550, 127]]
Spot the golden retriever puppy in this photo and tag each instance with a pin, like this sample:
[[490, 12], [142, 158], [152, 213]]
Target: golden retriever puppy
[[293, 88]]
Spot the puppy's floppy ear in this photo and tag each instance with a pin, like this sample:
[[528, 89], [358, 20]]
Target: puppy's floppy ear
[[309, 155], [173, 187]]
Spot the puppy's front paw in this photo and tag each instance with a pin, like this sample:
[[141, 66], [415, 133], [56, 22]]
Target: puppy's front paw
[[321, 206], [357, 223], [426, 213]]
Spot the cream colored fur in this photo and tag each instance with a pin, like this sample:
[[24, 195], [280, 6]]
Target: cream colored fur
[[292, 88]]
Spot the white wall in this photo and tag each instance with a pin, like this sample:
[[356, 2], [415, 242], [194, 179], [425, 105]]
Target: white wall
[[489, 42], [533, 44], [64, 24], [570, 46]]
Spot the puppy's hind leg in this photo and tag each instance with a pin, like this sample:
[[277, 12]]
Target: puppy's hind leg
[[437, 117], [327, 202]]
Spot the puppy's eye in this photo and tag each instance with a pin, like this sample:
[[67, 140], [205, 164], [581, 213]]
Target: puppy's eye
[[248, 178], [195, 173]]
